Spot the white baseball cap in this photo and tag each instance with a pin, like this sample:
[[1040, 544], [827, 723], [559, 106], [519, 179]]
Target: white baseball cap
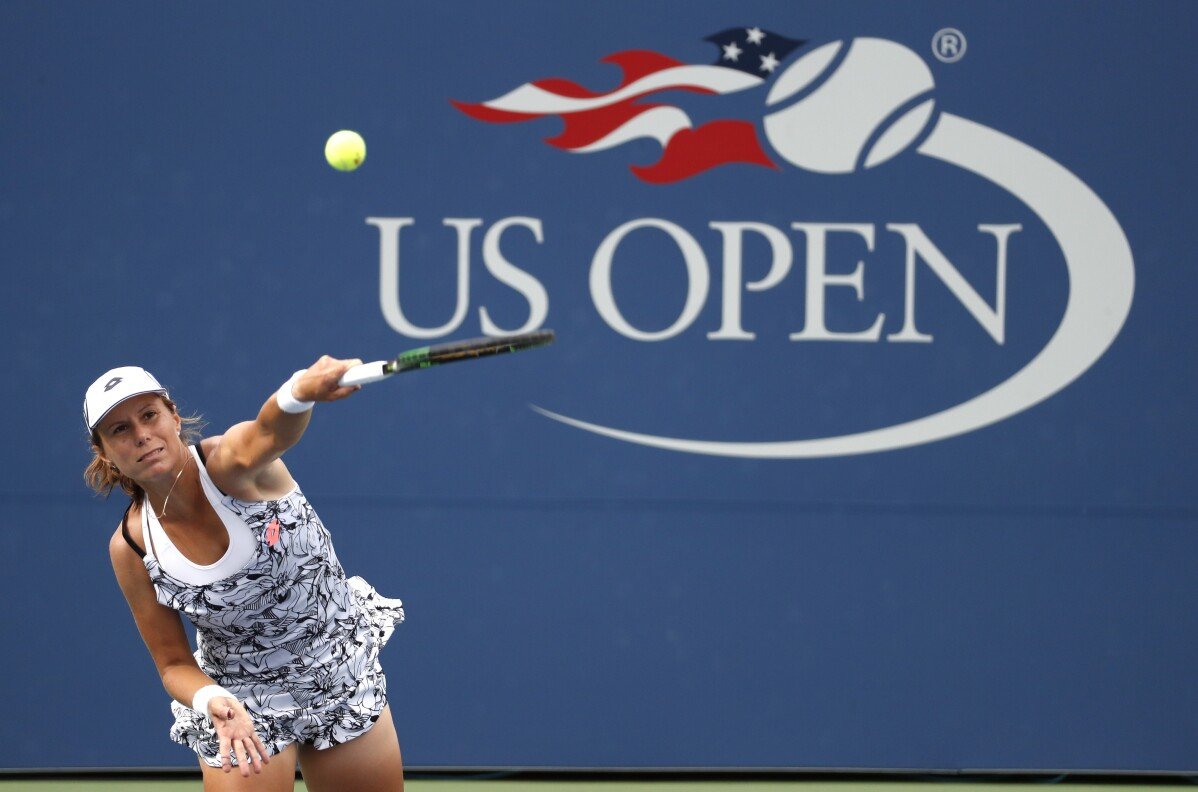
[[113, 387]]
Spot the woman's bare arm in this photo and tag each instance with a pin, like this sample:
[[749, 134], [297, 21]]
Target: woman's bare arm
[[162, 631], [246, 458], [160, 627]]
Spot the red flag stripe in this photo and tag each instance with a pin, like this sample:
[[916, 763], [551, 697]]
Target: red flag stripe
[[693, 151]]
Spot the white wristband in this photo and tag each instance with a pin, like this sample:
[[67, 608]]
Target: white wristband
[[199, 702], [286, 400]]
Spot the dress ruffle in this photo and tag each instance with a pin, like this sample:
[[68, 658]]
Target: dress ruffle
[[383, 613]]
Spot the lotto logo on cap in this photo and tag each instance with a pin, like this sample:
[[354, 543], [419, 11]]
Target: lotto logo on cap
[[113, 387]]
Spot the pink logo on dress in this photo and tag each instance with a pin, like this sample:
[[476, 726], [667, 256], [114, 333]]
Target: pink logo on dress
[[272, 532]]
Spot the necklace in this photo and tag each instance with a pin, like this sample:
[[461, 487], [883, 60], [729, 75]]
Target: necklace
[[170, 492]]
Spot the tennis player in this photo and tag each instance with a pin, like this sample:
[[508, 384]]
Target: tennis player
[[287, 662]]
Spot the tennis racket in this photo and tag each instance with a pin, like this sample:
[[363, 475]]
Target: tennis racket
[[438, 355]]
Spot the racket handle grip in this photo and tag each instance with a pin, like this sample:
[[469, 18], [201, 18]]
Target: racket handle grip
[[364, 374]]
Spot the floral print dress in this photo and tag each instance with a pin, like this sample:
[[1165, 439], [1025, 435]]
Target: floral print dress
[[294, 639]]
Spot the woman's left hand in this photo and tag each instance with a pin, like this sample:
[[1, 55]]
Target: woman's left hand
[[235, 730], [319, 382]]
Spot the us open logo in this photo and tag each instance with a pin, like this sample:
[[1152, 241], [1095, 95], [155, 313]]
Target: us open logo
[[838, 109]]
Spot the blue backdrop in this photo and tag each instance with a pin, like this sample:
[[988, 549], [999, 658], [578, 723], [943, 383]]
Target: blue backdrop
[[963, 539]]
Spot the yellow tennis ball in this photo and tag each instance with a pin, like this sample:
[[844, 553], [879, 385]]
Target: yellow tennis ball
[[345, 150]]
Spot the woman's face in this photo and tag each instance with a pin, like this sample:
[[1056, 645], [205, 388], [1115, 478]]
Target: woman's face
[[141, 437]]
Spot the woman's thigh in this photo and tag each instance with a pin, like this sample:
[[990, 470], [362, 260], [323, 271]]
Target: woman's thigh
[[278, 776], [370, 762]]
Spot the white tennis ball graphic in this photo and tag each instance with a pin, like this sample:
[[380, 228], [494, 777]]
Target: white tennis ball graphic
[[827, 130]]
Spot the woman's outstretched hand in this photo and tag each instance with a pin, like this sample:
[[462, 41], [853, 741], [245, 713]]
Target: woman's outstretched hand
[[235, 729], [319, 382]]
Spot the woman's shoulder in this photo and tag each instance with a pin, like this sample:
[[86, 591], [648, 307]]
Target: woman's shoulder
[[271, 483], [128, 532], [208, 446]]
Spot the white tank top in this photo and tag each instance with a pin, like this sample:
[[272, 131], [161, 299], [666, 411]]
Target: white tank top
[[241, 540]]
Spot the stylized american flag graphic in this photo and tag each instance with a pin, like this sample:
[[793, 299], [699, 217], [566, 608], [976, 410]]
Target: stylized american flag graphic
[[597, 121]]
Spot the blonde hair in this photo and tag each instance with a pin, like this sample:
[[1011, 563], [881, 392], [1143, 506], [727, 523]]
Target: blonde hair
[[103, 477]]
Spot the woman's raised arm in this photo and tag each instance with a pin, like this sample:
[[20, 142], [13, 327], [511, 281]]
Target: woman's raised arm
[[246, 455]]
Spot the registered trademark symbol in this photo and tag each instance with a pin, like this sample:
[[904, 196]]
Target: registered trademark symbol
[[948, 45]]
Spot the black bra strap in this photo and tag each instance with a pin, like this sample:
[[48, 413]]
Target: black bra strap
[[204, 461], [125, 532]]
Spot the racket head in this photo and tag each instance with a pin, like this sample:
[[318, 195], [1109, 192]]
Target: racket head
[[468, 349]]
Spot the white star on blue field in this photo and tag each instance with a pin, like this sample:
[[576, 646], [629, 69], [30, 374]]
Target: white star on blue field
[[762, 50]]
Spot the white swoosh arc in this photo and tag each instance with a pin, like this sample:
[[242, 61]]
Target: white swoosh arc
[[1102, 282]]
